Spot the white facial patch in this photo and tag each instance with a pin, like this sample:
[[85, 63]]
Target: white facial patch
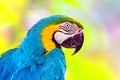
[[60, 37]]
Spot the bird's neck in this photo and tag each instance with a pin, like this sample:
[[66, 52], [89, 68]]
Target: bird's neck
[[33, 42], [30, 46]]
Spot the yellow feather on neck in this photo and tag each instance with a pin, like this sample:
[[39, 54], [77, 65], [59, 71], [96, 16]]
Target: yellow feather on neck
[[47, 35]]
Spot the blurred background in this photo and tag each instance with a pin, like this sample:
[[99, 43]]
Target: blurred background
[[99, 58]]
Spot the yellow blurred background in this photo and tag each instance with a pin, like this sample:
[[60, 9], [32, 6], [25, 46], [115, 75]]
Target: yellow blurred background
[[99, 57]]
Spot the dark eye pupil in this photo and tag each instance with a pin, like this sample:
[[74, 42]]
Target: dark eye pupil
[[67, 25]]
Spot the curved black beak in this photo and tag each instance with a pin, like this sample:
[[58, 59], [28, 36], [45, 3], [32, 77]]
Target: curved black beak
[[74, 42]]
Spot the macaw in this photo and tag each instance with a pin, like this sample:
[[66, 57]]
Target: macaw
[[40, 55]]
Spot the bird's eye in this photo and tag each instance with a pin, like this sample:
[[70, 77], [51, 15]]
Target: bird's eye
[[67, 25]]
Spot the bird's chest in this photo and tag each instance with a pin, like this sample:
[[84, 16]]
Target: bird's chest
[[49, 67], [52, 68]]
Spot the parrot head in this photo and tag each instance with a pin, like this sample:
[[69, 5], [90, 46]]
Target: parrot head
[[61, 31], [69, 35]]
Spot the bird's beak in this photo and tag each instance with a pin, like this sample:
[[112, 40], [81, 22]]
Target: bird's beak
[[74, 42]]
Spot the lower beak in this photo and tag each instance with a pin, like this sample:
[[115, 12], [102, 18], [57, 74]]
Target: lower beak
[[74, 42]]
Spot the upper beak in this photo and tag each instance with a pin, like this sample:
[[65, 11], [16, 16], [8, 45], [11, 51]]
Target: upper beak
[[75, 42]]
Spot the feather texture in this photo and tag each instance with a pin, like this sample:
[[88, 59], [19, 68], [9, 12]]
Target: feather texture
[[47, 67], [29, 62]]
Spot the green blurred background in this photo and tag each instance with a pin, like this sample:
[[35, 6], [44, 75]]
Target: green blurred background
[[99, 57]]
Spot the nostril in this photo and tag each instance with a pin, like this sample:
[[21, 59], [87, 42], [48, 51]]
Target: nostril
[[79, 30]]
